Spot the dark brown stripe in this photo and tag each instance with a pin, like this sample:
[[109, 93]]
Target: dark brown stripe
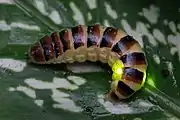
[[46, 44], [124, 44], [58, 47], [93, 35], [65, 39], [124, 89], [78, 36], [36, 52], [108, 37], [134, 75], [135, 58]]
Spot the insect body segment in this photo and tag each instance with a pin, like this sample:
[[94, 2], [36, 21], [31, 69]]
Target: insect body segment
[[96, 43], [46, 43], [36, 53], [94, 35], [58, 46]]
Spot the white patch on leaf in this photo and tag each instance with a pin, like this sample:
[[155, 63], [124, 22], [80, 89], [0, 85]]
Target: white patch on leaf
[[55, 17], [147, 25], [170, 68], [174, 39], [89, 16], [106, 23], [59, 94], [173, 50], [63, 101], [140, 13], [77, 80], [40, 6], [39, 102], [112, 13], [25, 26], [118, 109], [15, 65], [5, 27], [92, 4], [6, 2], [141, 28], [165, 22], [151, 14], [66, 104], [53, 14], [159, 36], [172, 26], [125, 14], [145, 103], [11, 89], [156, 59], [28, 91], [57, 83], [138, 106], [78, 16]]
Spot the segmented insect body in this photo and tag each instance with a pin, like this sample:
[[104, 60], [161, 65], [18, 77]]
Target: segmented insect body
[[96, 43]]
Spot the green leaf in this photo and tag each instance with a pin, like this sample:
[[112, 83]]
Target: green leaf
[[53, 92]]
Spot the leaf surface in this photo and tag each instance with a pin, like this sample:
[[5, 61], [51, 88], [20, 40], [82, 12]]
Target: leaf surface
[[53, 92]]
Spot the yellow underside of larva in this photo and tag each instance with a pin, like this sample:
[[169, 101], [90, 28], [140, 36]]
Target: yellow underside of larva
[[82, 54]]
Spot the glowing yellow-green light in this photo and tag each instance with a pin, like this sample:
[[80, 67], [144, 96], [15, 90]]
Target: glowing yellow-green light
[[144, 79], [116, 76], [151, 82], [117, 69]]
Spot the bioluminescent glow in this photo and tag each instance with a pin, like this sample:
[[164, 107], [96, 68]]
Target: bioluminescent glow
[[144, 79], [151, 81], [117, 69], [116, 76]]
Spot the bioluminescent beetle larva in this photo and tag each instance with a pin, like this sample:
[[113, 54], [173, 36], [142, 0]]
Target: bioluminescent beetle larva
[[96, 43]]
